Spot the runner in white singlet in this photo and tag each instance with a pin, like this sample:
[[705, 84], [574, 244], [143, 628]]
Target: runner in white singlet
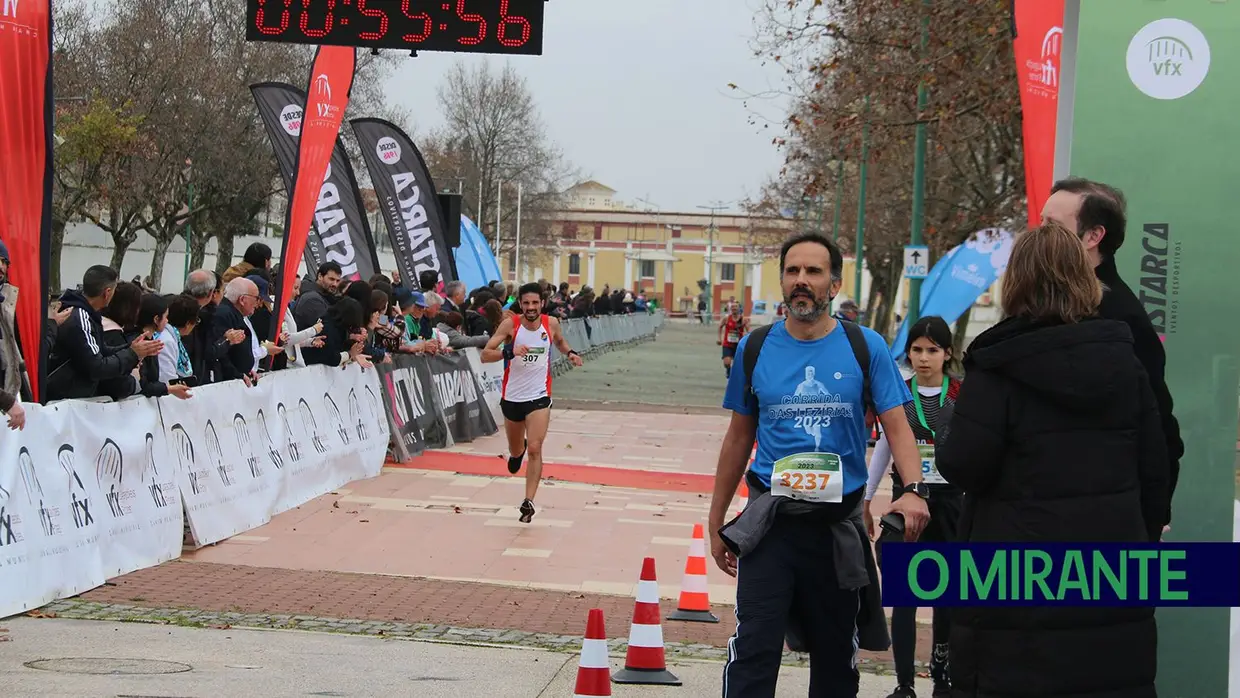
[[525, 400]]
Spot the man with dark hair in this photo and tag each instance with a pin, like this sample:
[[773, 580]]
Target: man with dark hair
[[1096, 213], [80, 358], [525, 398], [809, 573], [257, 257], [314, 302], [428, 280]]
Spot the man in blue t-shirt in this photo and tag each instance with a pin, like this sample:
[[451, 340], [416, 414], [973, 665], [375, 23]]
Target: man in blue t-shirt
[[809, 421]]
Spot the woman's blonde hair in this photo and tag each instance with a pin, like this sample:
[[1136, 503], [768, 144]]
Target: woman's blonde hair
[[1049, 276]]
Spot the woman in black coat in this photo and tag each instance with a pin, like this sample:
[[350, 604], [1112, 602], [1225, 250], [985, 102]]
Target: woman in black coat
[[1055, 437], [344, 336]]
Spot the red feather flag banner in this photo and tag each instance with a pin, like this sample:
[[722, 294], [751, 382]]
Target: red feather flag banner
[[26, 168], [331, 81], [1038, 26]]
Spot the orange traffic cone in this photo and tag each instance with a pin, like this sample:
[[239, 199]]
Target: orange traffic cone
[[645, 663], [694, 602], [593, 667]]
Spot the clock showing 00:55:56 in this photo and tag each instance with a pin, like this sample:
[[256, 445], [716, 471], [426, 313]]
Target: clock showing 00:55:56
[[458, 26]]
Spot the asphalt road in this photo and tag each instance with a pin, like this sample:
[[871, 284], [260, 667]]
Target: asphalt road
[[681, 371]]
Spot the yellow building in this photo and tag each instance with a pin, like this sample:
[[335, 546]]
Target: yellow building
[[600, 241]]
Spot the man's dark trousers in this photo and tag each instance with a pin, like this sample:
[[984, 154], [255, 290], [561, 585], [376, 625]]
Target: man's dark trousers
[[792, 570]]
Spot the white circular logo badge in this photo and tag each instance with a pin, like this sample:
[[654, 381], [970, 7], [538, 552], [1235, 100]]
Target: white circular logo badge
[[388, 150], [838, 375], [1168, 58], [290, 119]]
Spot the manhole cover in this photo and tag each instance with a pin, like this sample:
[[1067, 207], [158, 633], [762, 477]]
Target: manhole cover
[[106, 665]]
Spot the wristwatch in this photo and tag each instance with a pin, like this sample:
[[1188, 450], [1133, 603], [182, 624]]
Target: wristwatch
[[920, 489]]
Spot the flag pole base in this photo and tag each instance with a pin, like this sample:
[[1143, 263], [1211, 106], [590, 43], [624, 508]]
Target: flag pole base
[[694, 616], [650, 677]]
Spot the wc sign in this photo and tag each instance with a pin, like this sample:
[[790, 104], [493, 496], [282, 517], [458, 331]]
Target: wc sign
[[916, 261]]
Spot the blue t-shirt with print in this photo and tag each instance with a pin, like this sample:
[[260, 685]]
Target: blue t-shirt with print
[[809, 398]]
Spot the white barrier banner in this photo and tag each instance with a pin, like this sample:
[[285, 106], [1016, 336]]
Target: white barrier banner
[[87, 492], [491, 378], [295, 436]]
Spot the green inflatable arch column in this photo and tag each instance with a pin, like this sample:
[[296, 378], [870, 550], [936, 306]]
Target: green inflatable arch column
[[1150, 102]]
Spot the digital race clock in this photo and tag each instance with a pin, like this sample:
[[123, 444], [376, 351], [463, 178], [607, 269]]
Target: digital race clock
[[472, 26]]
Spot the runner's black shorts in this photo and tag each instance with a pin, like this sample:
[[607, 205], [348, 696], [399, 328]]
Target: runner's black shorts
[[518, 411], [729, 352]]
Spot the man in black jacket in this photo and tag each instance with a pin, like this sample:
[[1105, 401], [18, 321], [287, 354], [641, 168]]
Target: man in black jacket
[[204, 354], [240, 301], [1096, 213], [314, 302], [80, 358]]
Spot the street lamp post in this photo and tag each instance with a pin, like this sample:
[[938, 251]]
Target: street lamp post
[[865, 157], [919, 170], [710, 255], [189, 220]]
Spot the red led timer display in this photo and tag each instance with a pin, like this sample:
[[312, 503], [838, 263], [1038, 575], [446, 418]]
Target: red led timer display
[[474, 26]]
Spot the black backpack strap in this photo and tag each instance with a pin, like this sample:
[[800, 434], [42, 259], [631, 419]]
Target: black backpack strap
[[861, 351], [753, 347]]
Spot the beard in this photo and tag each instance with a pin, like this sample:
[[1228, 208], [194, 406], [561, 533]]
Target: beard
[[532, 315], [805, 312]]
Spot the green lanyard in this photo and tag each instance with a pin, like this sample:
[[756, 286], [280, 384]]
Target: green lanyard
[[921, 414]]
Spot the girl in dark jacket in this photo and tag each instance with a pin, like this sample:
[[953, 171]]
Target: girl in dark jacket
[[1055, 437], [344, 335], [930, 353], [120, 318]]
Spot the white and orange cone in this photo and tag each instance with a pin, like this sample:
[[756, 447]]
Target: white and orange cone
[[694, 604], [593, 668], [645, 662]]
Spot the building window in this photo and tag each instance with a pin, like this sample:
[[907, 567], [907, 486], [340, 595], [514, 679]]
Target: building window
[[727, 272], [512, 262], [574, 264], [647, 269], [676, 232], [598, 231]]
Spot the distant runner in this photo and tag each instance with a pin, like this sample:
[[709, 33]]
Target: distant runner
[[734, 326], [525, 398]]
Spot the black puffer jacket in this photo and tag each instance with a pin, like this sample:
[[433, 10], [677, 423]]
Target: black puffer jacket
[[1056, 436]]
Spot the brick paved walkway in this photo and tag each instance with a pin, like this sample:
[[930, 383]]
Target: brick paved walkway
[[357, 598]]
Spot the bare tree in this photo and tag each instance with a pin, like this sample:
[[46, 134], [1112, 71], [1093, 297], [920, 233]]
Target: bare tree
[[854, 66], [178, 73], [494, 137]]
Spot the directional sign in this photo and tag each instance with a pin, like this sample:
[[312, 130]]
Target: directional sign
[[916, 261]]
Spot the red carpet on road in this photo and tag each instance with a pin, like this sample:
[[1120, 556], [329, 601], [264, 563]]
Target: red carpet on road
[[497, 466]]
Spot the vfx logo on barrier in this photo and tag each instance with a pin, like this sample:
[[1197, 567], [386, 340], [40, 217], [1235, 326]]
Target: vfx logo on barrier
[[272, 452], [1168, 59], [110, 472], [294, 451], [152, 471], [185, 457], [311, 425]]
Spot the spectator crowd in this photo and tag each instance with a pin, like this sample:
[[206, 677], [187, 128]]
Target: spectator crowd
[[110, 339]]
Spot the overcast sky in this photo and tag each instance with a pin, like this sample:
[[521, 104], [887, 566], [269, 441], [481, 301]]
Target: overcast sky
[[636, 94]]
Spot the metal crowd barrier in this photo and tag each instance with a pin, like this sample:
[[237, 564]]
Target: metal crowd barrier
[[606, 333]]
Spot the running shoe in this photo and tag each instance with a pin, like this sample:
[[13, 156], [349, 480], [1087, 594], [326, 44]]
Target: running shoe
[[903, 692], [527, 511], [514, 462]]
